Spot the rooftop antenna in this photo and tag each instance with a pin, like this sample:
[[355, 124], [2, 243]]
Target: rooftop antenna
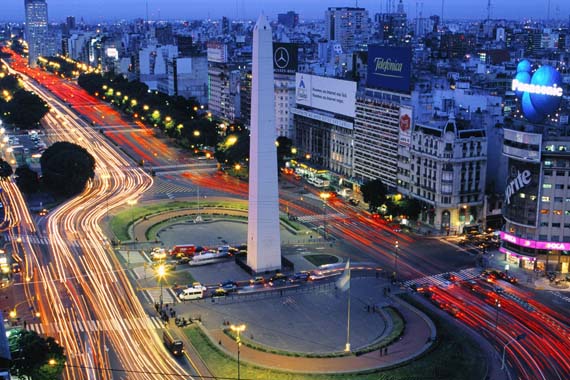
[[548, 12], [442, 5], [488, 10], [147, 14]]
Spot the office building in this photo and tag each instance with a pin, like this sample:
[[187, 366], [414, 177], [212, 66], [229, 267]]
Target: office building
[[36, 30], [348, 26]]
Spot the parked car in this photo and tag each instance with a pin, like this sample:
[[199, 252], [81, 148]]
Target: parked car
[[198, 285], [278, 280], [229, 286], [220, 292], [259, 280], [299, 277]]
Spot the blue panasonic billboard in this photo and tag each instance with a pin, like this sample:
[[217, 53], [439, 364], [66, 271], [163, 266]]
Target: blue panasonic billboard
[[539, 91], [389, 68]]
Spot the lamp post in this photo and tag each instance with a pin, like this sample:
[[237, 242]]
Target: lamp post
[[238, 329], [498, 307], [396, 249], [161, 271], [325, 197], [516, 338]]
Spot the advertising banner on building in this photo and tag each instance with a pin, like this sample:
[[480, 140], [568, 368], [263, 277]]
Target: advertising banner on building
[[285, 58], [327, 94], [217, 52], [389, 68], [522, 192], [405, 137]]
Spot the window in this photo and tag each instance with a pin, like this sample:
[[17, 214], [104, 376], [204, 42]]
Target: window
[[548, 172], [558, 199], [547, 186], [566, 225], [547, 163], [522, 195], [567, 212], [555, 238], [542, 237], [544, 211], [545, 199], [557, 212], [533, 197], [559, 187], [560, 173], [544, 224]]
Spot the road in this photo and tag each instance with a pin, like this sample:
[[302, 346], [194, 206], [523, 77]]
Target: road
[[363, 237], [85, 299]]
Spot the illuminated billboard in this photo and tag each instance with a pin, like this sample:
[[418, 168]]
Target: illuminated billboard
[[539, 91], [522, 193], [405, 136], [285, 58], [327, 94], [389, 68]]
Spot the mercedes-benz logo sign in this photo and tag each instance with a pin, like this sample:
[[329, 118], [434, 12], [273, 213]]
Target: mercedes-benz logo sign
[[281, 58]]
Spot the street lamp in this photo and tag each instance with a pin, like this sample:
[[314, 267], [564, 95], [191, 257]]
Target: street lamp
[[498, 307], [161, 272], [238, 329], [325, 197], [396, 252], [516, 338]]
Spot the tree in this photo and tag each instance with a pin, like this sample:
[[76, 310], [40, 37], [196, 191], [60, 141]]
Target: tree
[[25, 109], [27, 179], [66, 168], [284, 145], [374, 193], [234, 149], [34, 357], [5, 169]]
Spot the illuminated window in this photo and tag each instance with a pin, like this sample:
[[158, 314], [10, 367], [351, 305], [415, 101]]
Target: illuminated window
[[547, 186], [567, 212], [545, 199], [547, 163], [544, 211], [557, 212], [533, 197], [522, 195]]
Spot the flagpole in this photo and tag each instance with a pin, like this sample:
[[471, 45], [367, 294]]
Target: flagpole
[[347, 347]]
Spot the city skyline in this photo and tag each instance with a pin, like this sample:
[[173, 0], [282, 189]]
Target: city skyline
[[249, 9]]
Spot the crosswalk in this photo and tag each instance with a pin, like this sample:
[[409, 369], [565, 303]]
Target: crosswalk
[[439, 280], [165, 187], [149, 323], [320, 217], [44, 240]]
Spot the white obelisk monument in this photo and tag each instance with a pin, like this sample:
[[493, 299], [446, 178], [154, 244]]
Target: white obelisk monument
[[263, 239]]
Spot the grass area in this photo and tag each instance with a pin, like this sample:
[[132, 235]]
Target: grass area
[[122, 220], [179, 277], [399, 325], [297, 227], [318, 260], [454, 356]]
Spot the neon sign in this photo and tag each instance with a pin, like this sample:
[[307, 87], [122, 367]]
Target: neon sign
[[536, 88], [545, 245]]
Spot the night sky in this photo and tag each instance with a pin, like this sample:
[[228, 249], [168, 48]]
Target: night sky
[[100, 10]]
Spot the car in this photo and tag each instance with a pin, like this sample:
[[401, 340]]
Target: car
[[16, 268], [450, 277], [198, 285], [184, 260], [158, 256], [278, 280], [259, 280], [220, 292], [229, 286], [43, 212], [299, 277]]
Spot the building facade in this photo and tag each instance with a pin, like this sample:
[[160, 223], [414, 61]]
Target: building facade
[[347, 25], [537, 198], [448, 163], [36, 30]]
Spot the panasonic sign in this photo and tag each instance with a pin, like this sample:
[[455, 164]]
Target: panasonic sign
[[518, 183], [536, 88]]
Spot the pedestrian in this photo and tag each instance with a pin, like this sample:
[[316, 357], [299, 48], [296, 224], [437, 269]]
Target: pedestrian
[[156, 306], [25, 325]]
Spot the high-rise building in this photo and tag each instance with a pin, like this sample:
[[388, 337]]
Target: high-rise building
[[263, 238], [348, 26], [289, 19], [36, 31]]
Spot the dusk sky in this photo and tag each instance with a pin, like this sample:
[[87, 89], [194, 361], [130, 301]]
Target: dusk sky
[[99, 10]]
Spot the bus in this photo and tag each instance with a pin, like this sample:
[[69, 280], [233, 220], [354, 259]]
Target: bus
[[186, 250], [194, 293], [208, 258], [318, 182], [172, 343]]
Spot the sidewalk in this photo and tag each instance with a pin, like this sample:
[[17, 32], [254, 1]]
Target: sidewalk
[[418, 334]]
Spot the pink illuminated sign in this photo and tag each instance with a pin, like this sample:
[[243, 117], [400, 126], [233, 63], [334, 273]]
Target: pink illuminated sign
[[504, 250], [546, 245]]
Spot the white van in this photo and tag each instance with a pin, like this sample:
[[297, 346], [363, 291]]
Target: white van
[[191, 294]]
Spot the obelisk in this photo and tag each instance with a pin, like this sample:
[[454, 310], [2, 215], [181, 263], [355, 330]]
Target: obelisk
[[263, 239]]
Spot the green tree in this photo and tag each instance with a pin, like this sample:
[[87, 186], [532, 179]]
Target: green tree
[[66, 168], [25, 109], [234, 149], [35, 357], [27, 179], [411, 207], [374, 193], [5, 169]]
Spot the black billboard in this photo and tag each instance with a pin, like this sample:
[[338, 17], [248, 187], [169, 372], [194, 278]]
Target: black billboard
[[285, 58], [522, 192], [389, 68]]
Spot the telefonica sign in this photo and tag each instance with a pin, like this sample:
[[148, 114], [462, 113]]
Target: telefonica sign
[[389, 68], [518, 183], [539, 91]]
